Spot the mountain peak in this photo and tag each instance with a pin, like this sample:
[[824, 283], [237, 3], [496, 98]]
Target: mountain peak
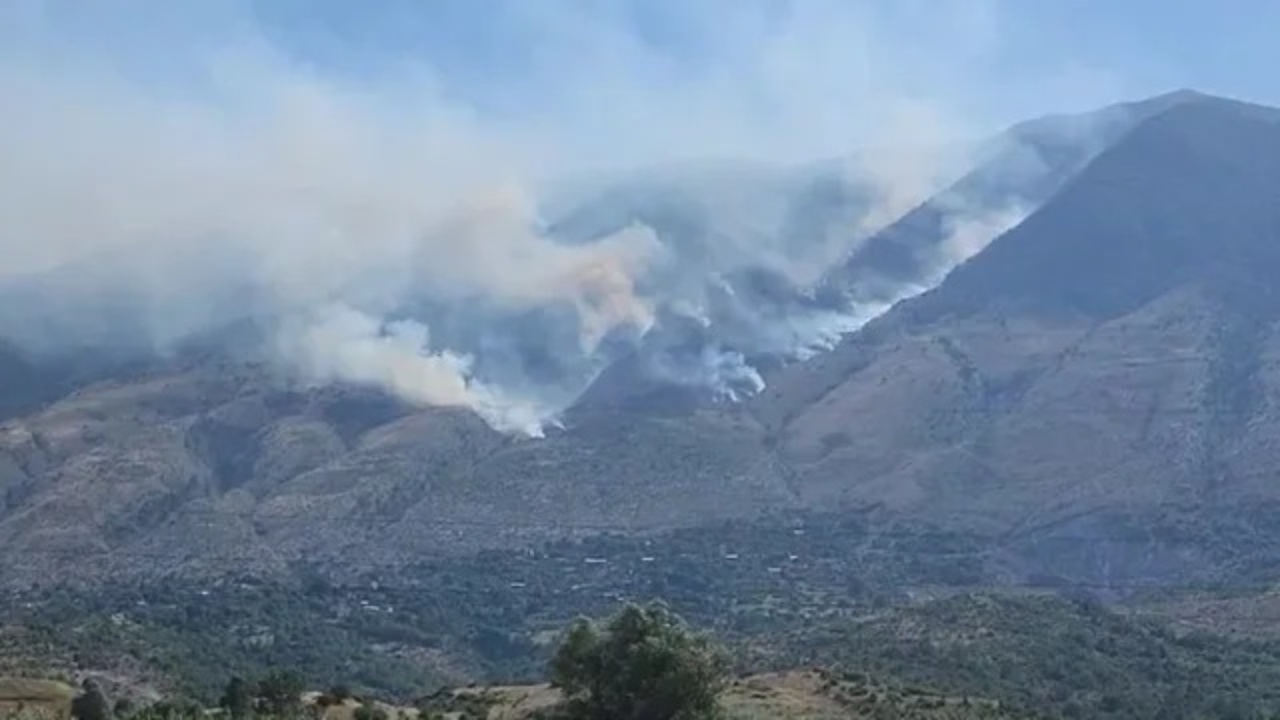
[[1187, 195], [1186, 97], [1179, 96]]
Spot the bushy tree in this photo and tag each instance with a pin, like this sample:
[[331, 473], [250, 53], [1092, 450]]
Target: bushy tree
[[91, 703], [643, 664], [280, 692], [237, 699]]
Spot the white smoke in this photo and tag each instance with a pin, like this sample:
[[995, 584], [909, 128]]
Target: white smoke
[[968, 233], [344, 345], [390, 228], [322, 202]]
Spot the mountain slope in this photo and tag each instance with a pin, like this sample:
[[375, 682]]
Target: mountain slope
[[1117, 352], [1095, 392], [221, 469]]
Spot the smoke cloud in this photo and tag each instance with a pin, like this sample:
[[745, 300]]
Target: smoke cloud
[[487, 231]]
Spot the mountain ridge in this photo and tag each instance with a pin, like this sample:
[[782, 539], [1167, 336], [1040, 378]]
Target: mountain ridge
[[1034, 395]]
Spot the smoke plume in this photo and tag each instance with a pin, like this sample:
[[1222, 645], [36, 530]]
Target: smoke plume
[[416, 223]]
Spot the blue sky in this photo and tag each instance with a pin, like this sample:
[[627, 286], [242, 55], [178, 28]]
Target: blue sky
[[818, 68], [1138, 46]]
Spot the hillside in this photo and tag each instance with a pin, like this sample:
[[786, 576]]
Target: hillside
[[795, 695], [963, 656], [1061, 658], [1091, 395], [219, 469], [1098, 376]]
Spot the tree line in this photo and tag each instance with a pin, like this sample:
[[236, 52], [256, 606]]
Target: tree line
[[643, 663]]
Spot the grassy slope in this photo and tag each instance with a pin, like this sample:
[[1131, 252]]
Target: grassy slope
[[793, 695]]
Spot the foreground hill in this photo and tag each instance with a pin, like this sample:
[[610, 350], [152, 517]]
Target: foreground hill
[[1062, 658], [45, 698], [795, 695], [963, 656]]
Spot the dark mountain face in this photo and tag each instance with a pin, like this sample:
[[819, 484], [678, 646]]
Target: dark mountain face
[[1189, 198], [1105, 366], [1105, 370]]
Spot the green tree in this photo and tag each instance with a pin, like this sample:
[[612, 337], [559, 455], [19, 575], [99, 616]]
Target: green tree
[[91, 703], [280, 692], [237, 699], [644, 664]]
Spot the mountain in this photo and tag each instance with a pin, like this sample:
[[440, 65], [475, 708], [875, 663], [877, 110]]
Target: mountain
[[1110, 358], [1091, 393]]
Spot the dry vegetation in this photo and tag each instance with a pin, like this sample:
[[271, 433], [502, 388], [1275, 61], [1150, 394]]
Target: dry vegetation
[[32, 697], [794, 695]]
